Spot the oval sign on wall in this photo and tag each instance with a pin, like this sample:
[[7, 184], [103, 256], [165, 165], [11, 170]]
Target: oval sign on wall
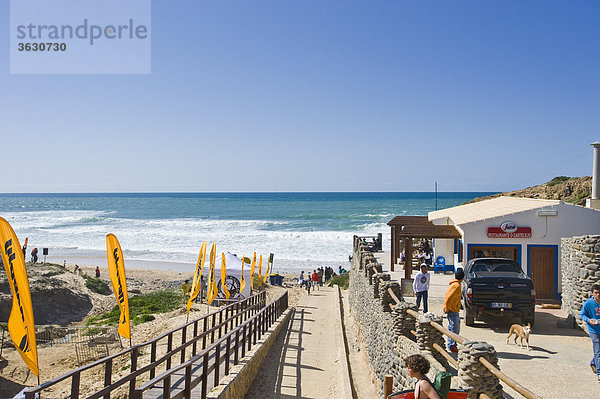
[[509, 227]]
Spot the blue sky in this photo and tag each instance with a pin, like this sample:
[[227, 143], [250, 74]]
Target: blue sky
[[319, 96]]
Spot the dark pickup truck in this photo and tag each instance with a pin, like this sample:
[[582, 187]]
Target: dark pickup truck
[[497, 286]]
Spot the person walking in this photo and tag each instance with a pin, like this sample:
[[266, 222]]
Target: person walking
[[421, 286], [97, 272], [590, 314], [315, 279], [320, 273], [452, 307], [34, 255]]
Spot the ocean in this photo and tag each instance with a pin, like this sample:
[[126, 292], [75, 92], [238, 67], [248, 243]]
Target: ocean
[[166, 230]]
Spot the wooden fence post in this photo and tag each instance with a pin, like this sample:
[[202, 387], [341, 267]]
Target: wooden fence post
[[388, 382]]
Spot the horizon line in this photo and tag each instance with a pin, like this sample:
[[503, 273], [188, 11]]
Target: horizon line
[[246, 192]]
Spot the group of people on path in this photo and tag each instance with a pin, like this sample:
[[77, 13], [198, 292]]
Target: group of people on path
[[316, 279]]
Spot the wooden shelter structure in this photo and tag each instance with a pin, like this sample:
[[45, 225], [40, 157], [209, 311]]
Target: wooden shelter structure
[[405, 228]]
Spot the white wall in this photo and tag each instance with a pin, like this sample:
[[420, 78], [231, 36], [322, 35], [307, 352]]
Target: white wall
[[445, 248], [547, 230]]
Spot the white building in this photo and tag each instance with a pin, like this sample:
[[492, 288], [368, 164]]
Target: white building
[[526, 230]]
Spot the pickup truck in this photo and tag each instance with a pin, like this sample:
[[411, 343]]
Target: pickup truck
[[497, 286]]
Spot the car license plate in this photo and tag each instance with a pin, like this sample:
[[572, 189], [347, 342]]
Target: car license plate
[[501, 305]]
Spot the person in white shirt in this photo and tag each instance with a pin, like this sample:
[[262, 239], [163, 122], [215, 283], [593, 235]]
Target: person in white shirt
[[421, 286]]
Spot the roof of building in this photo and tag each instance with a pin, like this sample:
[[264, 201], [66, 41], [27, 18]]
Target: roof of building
[[420, 227], [488, 209]]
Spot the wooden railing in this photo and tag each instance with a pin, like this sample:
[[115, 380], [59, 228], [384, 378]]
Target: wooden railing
[[219, 322], [197, 370], [460, 339]]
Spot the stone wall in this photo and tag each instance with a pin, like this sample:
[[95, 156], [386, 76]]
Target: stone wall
[[387, 328], [381, 326], [580, 264]]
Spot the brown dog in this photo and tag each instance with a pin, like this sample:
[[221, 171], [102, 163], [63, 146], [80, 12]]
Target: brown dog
[[520, 331]]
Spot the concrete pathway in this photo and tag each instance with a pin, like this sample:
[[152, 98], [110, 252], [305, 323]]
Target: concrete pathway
[[308, 358]]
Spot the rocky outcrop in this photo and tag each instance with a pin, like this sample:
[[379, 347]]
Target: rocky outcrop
[[574, 190]]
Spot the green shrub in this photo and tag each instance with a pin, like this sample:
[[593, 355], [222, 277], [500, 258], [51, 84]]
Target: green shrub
[[558, 180], [141, 307], [97, 285], [142, 319], [343, 281]]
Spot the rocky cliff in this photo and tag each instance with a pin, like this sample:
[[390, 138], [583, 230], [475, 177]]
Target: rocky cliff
[[568, 189]]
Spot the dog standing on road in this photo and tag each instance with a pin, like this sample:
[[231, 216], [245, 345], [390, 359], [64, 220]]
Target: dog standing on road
[[520, 331]]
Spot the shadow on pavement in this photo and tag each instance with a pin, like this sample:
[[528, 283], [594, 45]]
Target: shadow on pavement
[[518, 356]]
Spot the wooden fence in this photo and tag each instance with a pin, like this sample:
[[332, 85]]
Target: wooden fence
[[178, 382], [202, 333]]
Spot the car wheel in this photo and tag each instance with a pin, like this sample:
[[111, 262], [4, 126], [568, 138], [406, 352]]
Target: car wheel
[[469, 316]]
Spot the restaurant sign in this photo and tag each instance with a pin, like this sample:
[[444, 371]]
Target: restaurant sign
[[509, 230]]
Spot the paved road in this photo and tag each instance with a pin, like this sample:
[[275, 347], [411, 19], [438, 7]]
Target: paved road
[[307, 358], [555, 367]]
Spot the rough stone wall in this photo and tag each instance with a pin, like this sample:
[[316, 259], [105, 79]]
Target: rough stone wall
[[580, 264], [380, 324], [387, 333]]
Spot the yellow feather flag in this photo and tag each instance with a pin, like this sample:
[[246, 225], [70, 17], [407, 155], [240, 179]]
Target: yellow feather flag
[[260, 278], [116, 269], [243, 282], [267, 273], [21, 326], [252, 271], [212, 281], [224, 277], [196, 284]]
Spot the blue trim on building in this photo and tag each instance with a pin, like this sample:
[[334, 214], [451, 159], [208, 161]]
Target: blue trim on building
[[556, 294], [517, 246]]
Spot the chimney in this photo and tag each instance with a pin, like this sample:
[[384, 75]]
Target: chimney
[[594, 202]]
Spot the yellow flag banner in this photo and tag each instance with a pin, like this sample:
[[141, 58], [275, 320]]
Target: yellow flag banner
[[116, 269], [243, 282], [197, 283], [224, 277], [267, 273], [252, 271], [212, 282], [21, 326], [260, 282]]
